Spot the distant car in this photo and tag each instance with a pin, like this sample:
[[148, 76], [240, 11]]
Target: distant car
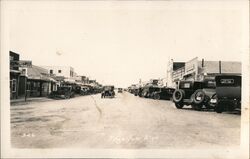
[[64, 92], [108, 91], [163, 93], [84, 90], [119, 90], [184, 94], [138, 91], [228, 93]]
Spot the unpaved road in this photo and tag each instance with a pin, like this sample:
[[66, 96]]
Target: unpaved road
[[125, 121]]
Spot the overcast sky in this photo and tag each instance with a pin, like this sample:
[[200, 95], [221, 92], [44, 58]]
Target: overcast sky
[[120, 42]]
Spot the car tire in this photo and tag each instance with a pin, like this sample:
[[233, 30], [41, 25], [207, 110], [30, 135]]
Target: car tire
[[201, 94], [178, 96], [179, 105], [219, 108], [197, 107], [157, 96]]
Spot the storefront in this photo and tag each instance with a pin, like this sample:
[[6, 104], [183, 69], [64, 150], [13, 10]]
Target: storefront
[[14, 83], [14, 75], [36, 82]]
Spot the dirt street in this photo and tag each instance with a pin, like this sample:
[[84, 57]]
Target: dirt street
[[125, 121]]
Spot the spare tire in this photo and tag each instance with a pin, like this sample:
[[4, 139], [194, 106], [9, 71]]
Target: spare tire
[[199, 97], [178, 96]]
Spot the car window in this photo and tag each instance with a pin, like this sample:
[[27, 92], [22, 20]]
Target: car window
[[209, 84], [228, 81], [185, 85]]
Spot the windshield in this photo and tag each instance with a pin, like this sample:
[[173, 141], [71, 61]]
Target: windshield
[[63, 88]]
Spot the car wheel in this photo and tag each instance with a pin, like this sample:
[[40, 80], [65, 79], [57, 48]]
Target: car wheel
[[179, 105], [157, 96], [199, 97], [178, 96], [219, 108], [197, 107], [67, 96]]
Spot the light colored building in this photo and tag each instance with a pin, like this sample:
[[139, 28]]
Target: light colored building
[[175, 73], [196, 69], [64, 71]]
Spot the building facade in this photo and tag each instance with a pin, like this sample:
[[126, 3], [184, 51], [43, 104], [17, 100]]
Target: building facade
[[35, 82], [175, 73], [14, 74], [198, 70], [64, 71]]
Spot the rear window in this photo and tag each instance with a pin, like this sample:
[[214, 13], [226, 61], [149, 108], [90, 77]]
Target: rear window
[[228, 81]]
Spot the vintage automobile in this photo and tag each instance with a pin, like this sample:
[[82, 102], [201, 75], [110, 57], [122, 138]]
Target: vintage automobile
[[139, 92], [147, 91], [108, 91], [119, 90], [84, 90], [64, 92], [228, 93], [183, 95], [205, 96], [163, 93]]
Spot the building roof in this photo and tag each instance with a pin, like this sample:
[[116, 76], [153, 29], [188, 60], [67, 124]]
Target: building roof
[[226, 67], [38, 73]]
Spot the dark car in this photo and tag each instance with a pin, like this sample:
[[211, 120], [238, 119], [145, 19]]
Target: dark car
[[108, 91], [84, 90], [183, 95], [228, 93], [119, 90], [163, 93], [205, 96], [64, 92], [147, 91], [139, 92]]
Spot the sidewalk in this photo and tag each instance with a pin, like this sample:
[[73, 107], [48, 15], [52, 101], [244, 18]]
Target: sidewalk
[[28, 100]]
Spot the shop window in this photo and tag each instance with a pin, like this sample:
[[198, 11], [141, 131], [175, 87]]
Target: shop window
[[14, 85]]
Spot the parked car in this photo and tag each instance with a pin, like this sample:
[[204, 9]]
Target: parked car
[[163, 93], [184, 94], [148, 91], [228, 93], [119, 90], [84, 90], [205, 96], [139, 92], [108, 91], [64, 92]]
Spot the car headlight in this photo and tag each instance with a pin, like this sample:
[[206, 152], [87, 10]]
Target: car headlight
[[213, 100]]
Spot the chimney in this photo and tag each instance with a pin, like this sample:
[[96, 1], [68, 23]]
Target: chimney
[[219, 67]]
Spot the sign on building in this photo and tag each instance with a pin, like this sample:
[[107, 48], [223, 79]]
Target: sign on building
[[21, 63]]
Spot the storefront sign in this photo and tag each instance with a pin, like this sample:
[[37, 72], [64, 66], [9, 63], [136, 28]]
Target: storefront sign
[[21, 63]]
